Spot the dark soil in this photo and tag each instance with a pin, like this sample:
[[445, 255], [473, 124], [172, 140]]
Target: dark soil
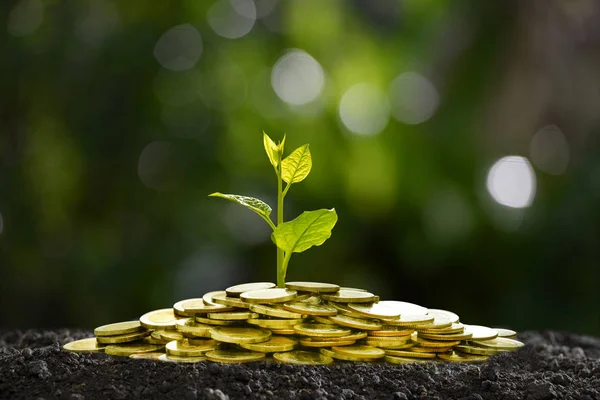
[[552, 365]]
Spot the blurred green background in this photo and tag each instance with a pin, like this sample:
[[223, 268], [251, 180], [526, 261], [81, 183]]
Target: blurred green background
[[457, 140]]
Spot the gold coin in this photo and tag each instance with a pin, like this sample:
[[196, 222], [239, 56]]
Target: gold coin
[[411, 320], [323, 320], [356, 323], [275, 295], [343, 309], [221, 298], [179, 359], [456, 357], [437, 323], [130, 337], [159, 319], [408, 353], [302, 357], [391, 331], [240, 335], [360, 350], [500, 343], [216, 322], [192, 327], [389, 339], [421, 349], [375, 310], [480, 351], [191, 307], [450, 337], [283, 331], [274, 323], [443, 314], [506, 333], [237, 290], [273, 311], [200, 341], [306, 308], [321, 342], [343, 357], [171, 335], [89, 345], [119, 328], [233, 316], [456, 327], [234, 356], [352, 336], [208, 297], [424, 342], [314, 287], [321, 330], [153, 355], [393, 346], [155, 338], [353, 288], [481, 332], [404, 360], [183, 348], [275, 344], [125, 350], [349, 296], [403, 307]]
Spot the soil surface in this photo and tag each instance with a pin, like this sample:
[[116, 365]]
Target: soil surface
[[551, 365]]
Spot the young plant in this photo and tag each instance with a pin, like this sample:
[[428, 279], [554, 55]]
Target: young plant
[[311, 228]]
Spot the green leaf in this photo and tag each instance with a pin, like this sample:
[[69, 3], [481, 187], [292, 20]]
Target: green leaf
[[311, 228], [296, 166], [272, 150], [256, 205]]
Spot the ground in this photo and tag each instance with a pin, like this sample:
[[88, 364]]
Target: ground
[[551, 365]]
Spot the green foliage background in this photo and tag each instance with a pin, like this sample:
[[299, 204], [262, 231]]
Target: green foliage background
[[85, 241]]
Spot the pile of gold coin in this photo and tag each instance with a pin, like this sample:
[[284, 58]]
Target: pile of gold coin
[[303, 323]]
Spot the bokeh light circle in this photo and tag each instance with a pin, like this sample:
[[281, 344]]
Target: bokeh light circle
[[511, 182], [232, 19], [297, 78], [179, 48], [413, 98], [25, 18], [364, 109], [549, 150]]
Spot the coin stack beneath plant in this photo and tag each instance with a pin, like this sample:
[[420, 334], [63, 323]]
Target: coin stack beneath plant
[[304, 323]]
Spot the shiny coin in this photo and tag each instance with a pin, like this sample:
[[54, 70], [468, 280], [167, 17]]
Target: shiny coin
[[233, 316], [119, 328], [391, 331], [183, 348], [409, 353], [457, 357], [325, 342], [234, 356], [155, 338], [421, 349], [375, 310], [403, 307], [505, 333], [274, 312], [179, 359], [191, 307], [323, 320], [125, 350], [456, 327], [352, 288], [437, 323], [194, 328], [275, 295], [404, 360], [153, 355], [89, 345], [216, 322], [389, 339], [314, 287], [130, 337], [450, 337], [208, 297], [321, 330], [481, 332], [306, 308], [356, 323], [159, 319], [343, 357], [275, 344], [411, 320], [352, 336], [221, 298], [361, 351], [274, 323], [392, 346], [480, 351], [424, 342], [200, 341], [499, 343], [349, 296], [343, 309], [283, 331], [237, 290], [171, 335], [240, 335], [443, 314], [302, 357]]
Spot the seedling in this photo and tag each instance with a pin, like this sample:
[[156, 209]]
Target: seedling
[[311, 228]]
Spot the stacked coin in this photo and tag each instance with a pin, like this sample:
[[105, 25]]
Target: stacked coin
[[303, 323]]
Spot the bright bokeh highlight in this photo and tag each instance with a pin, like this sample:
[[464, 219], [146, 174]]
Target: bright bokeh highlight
[[511, 182], [297, 78], [179, 48], [232, 19], [413, 98], [364, 109]]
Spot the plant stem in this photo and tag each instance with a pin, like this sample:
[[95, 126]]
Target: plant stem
[[280, 254]]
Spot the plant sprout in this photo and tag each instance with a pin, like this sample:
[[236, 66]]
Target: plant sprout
[[311, 228]]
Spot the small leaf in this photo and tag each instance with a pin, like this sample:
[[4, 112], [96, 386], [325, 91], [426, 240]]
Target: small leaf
[[311, 228], [256, 205], [296, 166], [272, 150], [281, 145]]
